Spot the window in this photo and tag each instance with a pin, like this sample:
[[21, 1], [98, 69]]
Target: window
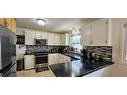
[[75, 41]]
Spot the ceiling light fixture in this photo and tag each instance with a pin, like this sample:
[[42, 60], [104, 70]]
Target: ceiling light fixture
[[41, 22]]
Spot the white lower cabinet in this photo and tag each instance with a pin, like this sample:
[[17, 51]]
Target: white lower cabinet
[[29, 61], [58, 58], [53, 58], [63, 58], [104, 72]]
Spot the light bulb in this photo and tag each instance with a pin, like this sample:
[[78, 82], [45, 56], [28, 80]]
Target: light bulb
[[41, 22]]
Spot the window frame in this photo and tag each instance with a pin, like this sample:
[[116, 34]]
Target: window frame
[[71, 43]]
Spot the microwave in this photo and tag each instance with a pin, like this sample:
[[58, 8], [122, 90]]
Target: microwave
[[20, 39], [41, 41]]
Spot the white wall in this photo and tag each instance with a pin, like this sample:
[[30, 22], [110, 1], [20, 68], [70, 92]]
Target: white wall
[[104, 72], [115, 70], [117, 30], [119, 70]]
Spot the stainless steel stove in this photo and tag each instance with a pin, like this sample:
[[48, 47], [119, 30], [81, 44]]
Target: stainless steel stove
[[41, 61]]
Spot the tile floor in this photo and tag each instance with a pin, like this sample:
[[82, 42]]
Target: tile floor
[[32, 73]]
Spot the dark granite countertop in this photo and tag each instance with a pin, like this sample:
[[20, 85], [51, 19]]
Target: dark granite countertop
[[73, 56], [77, 68]]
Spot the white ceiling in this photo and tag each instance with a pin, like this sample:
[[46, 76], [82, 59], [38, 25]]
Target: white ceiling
[[54, 24]]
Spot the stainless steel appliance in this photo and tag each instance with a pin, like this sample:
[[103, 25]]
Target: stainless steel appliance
[[7, 51], [20, 39], [41, 41], [41, 58], [41, 61]]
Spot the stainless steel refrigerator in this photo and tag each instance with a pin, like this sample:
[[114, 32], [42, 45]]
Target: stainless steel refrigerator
[[7, 52]]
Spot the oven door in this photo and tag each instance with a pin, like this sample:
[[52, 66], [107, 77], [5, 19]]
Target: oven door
[[41, 59]]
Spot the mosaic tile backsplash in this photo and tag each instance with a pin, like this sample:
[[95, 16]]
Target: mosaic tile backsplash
[[32, 49], [103, 51]]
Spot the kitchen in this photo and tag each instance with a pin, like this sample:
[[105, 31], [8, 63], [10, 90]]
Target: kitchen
[[67, 47]]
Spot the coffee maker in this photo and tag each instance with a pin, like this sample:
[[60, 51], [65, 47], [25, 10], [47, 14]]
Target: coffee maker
[[88, 56]]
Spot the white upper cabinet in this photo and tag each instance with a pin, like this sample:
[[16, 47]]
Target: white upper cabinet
[[38, 35], [53, 38], [95, 33], [62, 39], [29, 37], [44, 35], [99, 34], [65, 39], [86, 34]]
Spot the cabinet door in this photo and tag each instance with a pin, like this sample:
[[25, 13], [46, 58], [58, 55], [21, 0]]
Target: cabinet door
[[29, 61], [56, 60], [99, 32], [13, 25], [51, 39], [2, 21], [68, 59], [44, 35], [50, 58], [86, 34], [53, 58], [61, 58], [38, 35], [29, 37], [56, 39], [66, 39], [62, 39]]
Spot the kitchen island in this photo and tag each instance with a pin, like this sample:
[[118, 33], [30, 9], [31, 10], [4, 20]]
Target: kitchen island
[[77, 68], [66, 65]]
